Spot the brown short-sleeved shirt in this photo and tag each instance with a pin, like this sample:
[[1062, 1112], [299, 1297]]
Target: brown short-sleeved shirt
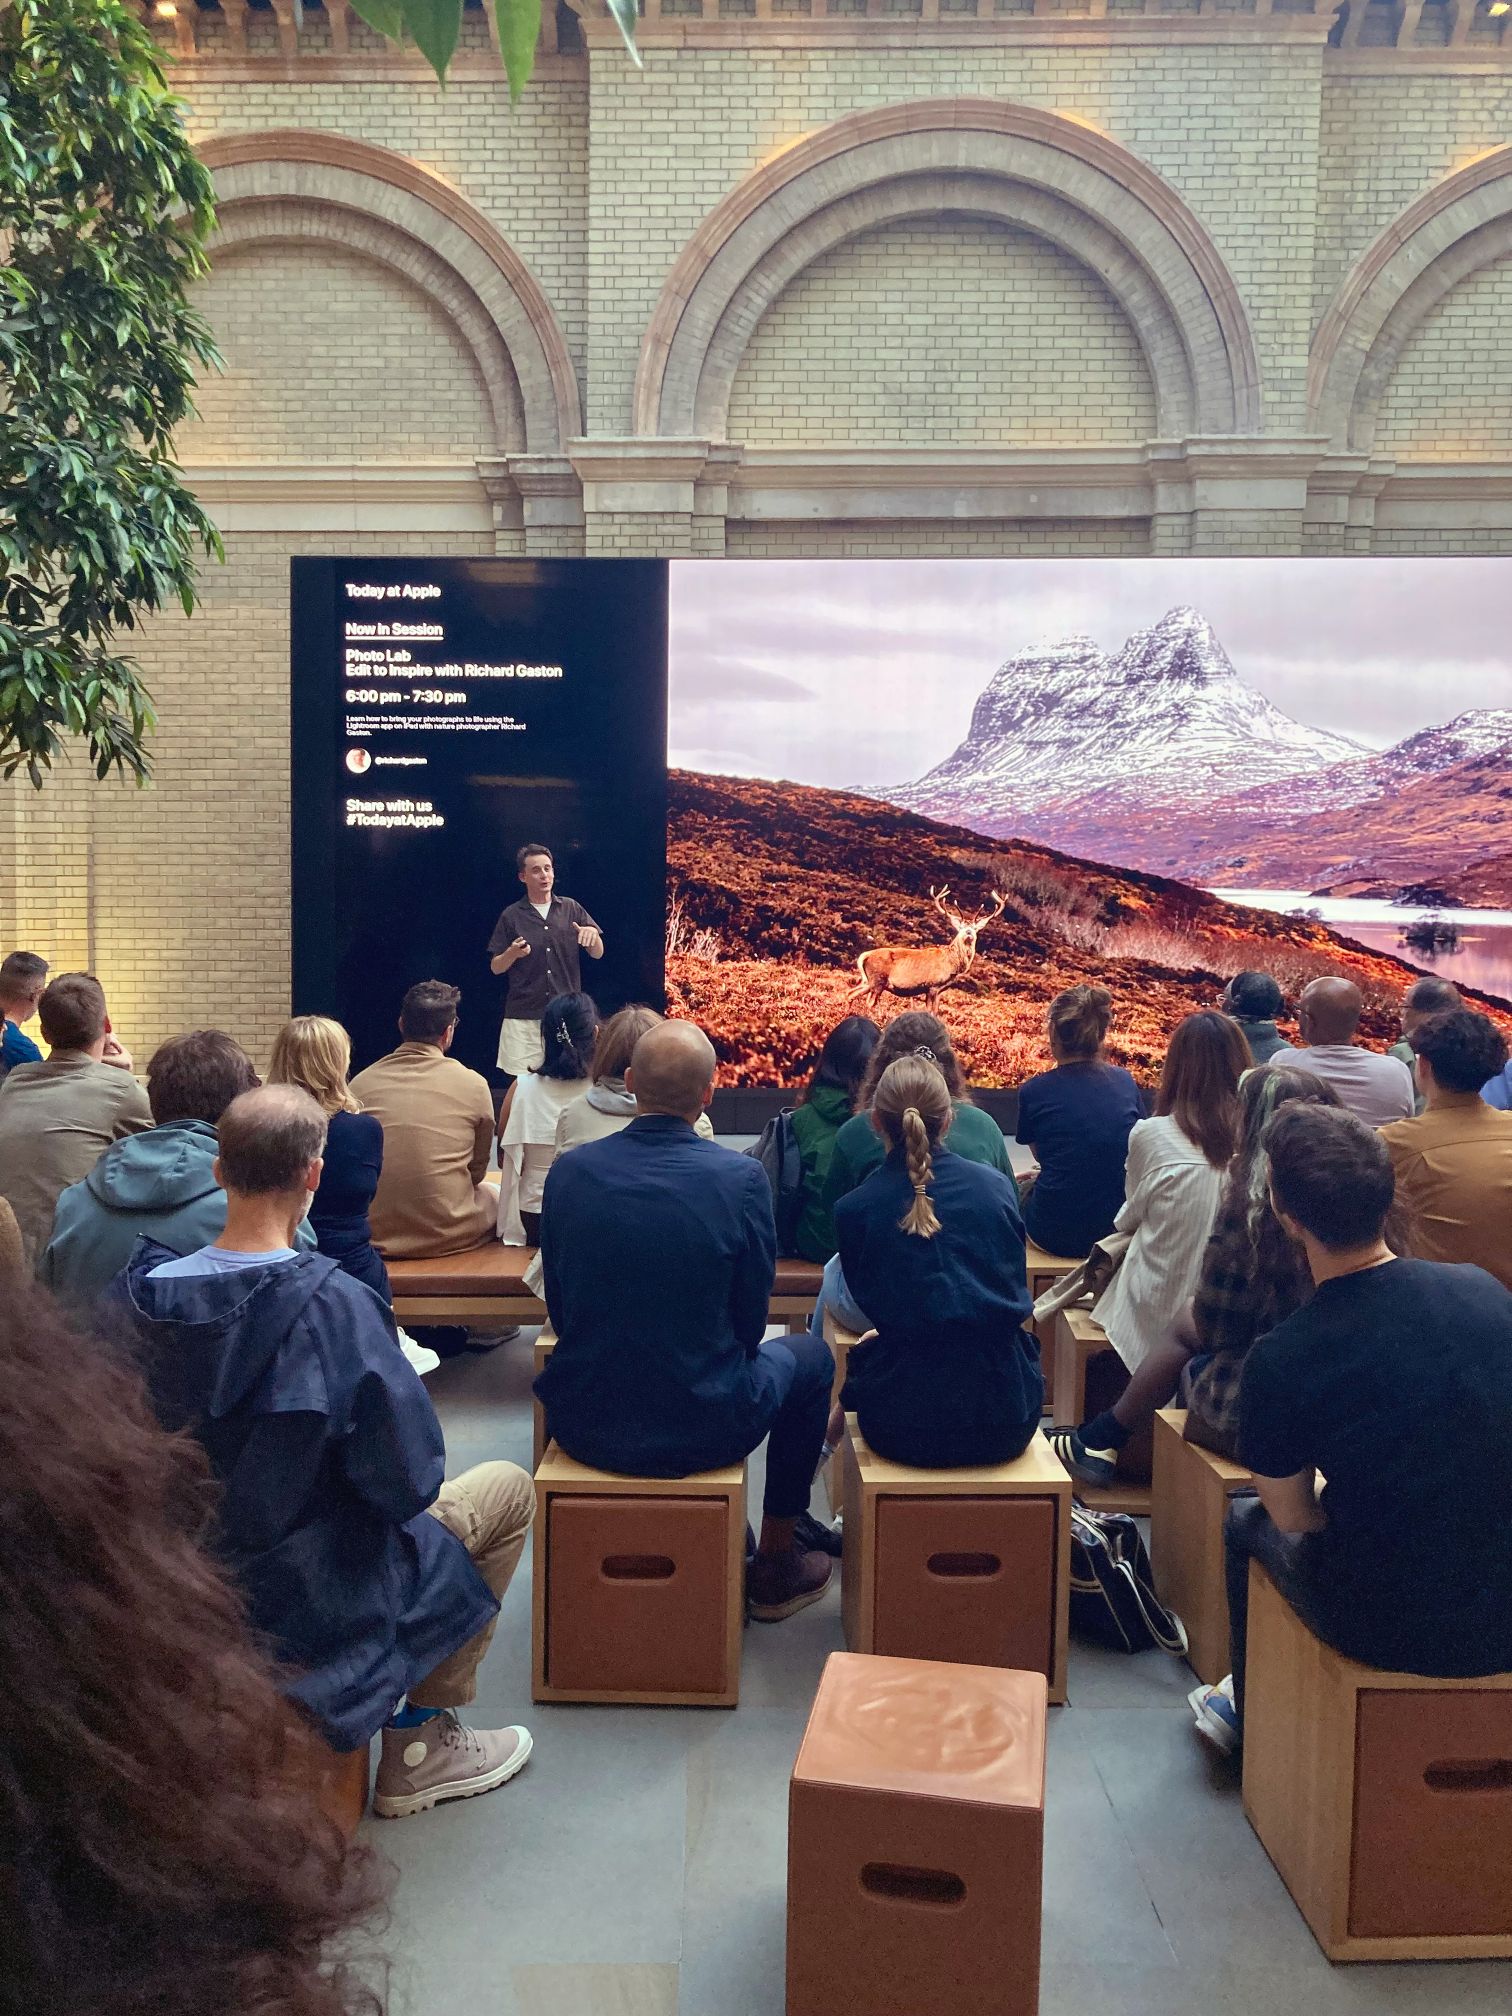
[[552, 966]]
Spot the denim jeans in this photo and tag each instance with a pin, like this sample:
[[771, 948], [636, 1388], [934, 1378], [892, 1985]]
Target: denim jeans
[[834, 1295], [1249, 1534], [798, 1373]]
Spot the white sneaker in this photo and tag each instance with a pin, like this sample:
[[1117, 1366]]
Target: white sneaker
[[431, 1762], [419, 1355], [1217, 1717]]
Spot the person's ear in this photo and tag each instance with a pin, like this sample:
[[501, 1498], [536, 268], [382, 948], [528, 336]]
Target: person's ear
[[630, 1079], [708, 1091], [312, 1174], [1423, 1072], [215, 1171]]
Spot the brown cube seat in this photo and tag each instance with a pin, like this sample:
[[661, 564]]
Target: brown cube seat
[[794, 1293], [342, 1791], [1188, 1504], [971, 1565], [1043, 1270], [1384, 1799], [639, 1585], [484, 1284], [1089, 1376], [915, 1841]]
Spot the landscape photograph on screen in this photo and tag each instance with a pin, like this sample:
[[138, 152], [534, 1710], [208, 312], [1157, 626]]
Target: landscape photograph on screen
[[972, 783]]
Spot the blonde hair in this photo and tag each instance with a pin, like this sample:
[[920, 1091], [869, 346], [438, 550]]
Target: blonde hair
[[314, 1052], [912, 1110]]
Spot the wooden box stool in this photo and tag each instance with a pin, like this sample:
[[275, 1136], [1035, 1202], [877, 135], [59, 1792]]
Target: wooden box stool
[[639, 1585], [1090, 1375], [915, 1839], [545, 1344], [1043, 1271], [1384, 1799], [840, 1340], [341, 1792], [966, 1565], [1188, 1505]]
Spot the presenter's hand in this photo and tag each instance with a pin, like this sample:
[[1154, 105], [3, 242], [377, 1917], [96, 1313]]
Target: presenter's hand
[[520, 949], [591, 941]]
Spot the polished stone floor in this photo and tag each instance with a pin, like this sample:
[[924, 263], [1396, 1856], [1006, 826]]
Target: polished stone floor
[[637, 1866]]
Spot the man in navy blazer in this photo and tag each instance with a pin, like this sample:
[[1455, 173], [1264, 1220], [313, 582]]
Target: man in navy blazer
[[659, 1252]]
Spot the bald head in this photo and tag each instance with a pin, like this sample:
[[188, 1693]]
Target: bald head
[[672, 1070], [1329, 1011], [270, 1141]]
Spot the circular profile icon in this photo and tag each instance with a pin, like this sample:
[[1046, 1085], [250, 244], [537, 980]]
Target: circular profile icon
[[358, 761]]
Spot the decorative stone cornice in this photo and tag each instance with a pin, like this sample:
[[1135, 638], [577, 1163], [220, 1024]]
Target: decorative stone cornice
[[342, 497], [626, 474]]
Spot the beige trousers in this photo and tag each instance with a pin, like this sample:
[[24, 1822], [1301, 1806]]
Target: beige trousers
[[489, 1508]]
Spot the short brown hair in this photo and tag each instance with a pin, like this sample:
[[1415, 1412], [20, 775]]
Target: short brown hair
[[618, 1037], [1199, 1085], [268, 1139], [915, 1033], [72, 1012], [428, 1010], [523, 854], [1079, 1021], [1330, 1173], [22, 975], [195, 1077]]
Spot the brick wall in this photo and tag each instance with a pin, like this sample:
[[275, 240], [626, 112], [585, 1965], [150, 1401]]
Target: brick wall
[[1450, 397], [971, 334]]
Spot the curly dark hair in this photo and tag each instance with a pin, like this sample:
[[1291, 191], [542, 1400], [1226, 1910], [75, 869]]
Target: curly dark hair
[[1464, 1047], [161, 1852]]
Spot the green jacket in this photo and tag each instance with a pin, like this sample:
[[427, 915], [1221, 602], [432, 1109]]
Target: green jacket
[[858, 1149], [817, 1124]]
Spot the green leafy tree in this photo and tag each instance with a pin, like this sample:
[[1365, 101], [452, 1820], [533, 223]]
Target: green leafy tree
[[104, 213], [434, 25]]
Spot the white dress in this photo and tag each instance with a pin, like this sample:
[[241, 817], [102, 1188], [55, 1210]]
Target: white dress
[[1171, 1194], [528, 1148]]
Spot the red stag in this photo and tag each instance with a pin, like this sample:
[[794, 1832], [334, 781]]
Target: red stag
[[911, 970]]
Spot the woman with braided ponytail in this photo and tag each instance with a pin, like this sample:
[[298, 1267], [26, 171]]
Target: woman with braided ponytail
[[933, 1247]]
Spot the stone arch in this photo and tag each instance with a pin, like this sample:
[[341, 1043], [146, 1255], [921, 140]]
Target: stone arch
[[1451, 232], [974, 156], [290, 184]]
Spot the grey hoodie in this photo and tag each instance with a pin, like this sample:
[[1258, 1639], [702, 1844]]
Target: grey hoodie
[[158, 1185]]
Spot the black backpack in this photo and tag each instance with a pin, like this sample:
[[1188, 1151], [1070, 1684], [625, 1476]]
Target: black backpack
[[1113, 1600], [780, 1156]]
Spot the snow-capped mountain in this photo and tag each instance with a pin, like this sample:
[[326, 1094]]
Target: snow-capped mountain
[[1166, 723]]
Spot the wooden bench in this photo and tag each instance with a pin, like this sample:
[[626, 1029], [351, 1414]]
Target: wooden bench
[[1188, 1504], [972, 1566], [486, 1285], [1083, 1355], [1384, 1799], [639, 1585]]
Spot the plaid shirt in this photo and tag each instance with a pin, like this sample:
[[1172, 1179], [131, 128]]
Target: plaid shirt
[[1230, 1309]]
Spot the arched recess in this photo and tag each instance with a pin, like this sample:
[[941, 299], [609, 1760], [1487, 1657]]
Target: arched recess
[[1461, 225], [974, 156], [289, 184]]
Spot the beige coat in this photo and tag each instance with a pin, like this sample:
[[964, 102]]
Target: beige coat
[[57, 1119], [438, 1124]]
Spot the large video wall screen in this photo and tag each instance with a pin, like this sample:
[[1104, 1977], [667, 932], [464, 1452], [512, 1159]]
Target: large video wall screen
[[795, 790]]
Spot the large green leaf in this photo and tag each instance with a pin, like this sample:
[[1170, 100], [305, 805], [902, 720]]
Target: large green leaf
[[519, 32], [625, 13], [386, 16], [435, 25]]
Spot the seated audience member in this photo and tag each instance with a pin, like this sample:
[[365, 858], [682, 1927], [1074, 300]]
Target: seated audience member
[[1174, 1180], [58, 1117], [1374, 1087], [1254, 1000], [1497, 1091], [858, 1148], [532, 1107], [315, 1053], [370, 1577], [438, 1129], [177, 1863], [23, 975], [160, 1185], [1394, 1383], [824, 1106], [1428, 996], [607, 1107], [659, 1253], [1453, 1162], [1077, 1119], [934, 1247]]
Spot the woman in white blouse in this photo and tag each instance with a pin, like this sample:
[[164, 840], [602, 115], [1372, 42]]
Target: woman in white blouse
[[1172, 1182], [532, 1107]]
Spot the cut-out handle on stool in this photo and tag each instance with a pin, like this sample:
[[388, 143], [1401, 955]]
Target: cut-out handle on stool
[[964, 1566], [639, 1567], [1469, 1774], [912, 1886]]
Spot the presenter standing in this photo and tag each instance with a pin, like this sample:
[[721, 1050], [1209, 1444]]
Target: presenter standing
[[538, 943]]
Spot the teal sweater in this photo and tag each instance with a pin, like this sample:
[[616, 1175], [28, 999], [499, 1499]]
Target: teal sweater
[[858, 1149], [817, 1124]]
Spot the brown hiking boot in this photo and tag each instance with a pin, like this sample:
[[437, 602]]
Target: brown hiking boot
[[431, 1762], [779, 1585]]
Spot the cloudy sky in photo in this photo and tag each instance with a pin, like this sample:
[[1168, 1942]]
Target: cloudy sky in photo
[[865, 671]]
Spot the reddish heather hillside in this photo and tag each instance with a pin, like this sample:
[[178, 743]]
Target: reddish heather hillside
[[776, 889]]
